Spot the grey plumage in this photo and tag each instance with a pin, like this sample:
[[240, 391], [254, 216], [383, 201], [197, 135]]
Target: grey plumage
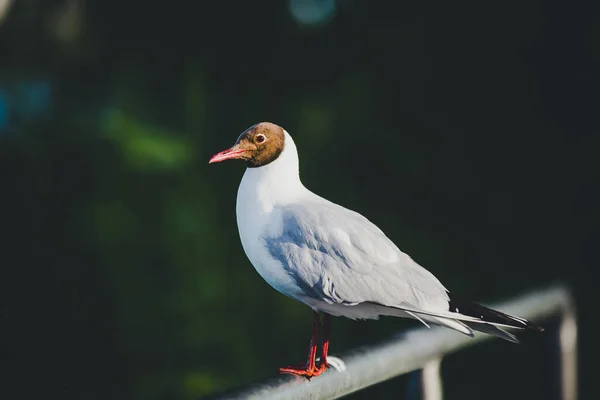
[[340, 257], [340, 260]]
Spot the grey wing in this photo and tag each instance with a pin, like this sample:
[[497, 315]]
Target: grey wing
[[338, 256]]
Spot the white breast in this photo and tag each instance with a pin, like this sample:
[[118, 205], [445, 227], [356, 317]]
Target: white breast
[[260, 191]]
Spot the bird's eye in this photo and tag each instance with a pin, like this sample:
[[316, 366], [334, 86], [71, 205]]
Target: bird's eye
[[260, 138]]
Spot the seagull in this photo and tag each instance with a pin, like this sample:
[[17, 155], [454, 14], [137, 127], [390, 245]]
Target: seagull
[[333, 259]]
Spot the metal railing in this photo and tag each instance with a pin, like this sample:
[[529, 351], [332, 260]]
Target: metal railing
[[423, 349]]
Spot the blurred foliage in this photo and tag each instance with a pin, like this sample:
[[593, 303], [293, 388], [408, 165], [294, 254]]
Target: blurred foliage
[[146, 148], [461, 131]]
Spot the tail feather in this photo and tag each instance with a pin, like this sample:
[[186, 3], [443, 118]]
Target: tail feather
[[465, 316], [452, 324], [493, 330], [489, 316]]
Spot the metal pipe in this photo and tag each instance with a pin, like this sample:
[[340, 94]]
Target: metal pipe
[[432, 380], [568, 353], [413, 350]]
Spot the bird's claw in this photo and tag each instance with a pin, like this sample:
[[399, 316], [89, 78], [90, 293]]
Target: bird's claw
[[308, 372], [305, 371]]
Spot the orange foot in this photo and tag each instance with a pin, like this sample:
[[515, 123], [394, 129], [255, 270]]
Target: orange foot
[[307, 372]]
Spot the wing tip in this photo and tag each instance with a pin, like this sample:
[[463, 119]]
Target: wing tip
[[485, 314], [535, 327]]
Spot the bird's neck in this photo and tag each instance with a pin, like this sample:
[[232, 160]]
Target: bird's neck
[[275, 183]]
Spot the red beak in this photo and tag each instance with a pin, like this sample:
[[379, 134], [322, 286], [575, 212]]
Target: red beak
[[226, 155]]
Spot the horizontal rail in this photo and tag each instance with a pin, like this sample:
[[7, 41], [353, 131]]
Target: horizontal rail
[[419, 348]]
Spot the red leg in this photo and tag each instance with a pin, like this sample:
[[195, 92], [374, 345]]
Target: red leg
[[325, 346], [309, 369]]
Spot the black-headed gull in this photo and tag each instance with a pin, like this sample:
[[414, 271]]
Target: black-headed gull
[[333, 259]]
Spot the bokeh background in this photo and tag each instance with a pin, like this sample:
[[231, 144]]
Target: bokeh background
[[466, 130]]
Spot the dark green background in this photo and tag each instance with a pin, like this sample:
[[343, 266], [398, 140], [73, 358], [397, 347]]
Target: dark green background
[[464, 129]]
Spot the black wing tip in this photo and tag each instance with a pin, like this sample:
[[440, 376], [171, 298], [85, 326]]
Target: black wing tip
[[535, 327], [486, 314]]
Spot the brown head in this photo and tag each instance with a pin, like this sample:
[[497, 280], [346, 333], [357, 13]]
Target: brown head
[[258, 145]]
